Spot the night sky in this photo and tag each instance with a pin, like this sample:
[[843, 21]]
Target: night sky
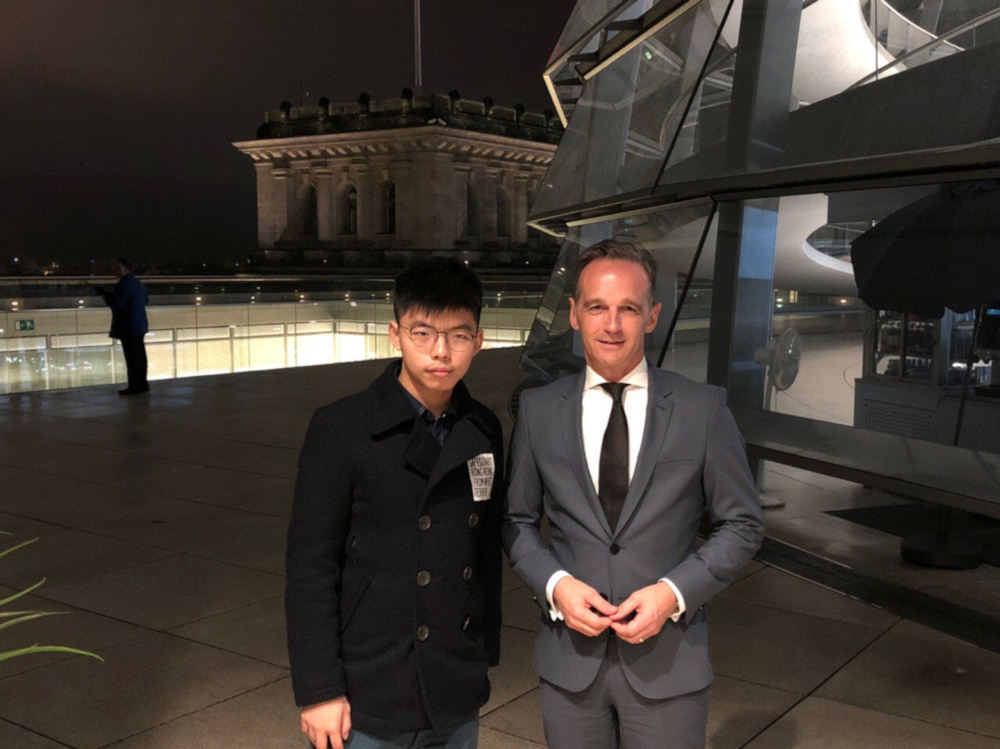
[[118, 114]]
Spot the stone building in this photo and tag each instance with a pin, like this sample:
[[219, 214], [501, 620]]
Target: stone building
[[373, 182]]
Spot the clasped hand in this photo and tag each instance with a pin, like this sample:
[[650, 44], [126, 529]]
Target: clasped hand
[[639, 617]]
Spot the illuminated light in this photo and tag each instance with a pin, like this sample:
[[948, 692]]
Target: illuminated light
[[647, 54], [779, 299], [843, 301], [80, 301], [14, 303], [354, 304], [197, 298], [779, 306]]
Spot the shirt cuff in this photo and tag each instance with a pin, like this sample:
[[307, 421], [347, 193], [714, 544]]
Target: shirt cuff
[[681, 608], [554, 613]]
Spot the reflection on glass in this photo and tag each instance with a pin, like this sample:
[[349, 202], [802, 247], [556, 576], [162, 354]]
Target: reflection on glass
[[672, 236], [630, 113]]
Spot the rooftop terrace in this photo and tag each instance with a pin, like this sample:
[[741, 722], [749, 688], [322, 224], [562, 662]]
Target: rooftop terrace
[[162, 525]]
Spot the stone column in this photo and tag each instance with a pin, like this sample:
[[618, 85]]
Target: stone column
[[366, 202], [266, 233], [299, 198], [488, 203], [335, 217], [519, 210], [460, 182], [324, 203], [401, 176], [280, 203]]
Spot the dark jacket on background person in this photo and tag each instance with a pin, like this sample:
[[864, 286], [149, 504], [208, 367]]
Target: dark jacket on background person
[[393, 569], [127, 300]]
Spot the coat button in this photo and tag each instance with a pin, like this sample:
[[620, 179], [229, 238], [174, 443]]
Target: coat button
[[423, 632], [466, 622], [467, 574], [423, 578], [474, 520], [615, 548], [424, 523]]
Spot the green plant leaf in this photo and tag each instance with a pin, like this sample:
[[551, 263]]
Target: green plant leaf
[[46, 649], [29, 615], [24, 592], [21, 545]]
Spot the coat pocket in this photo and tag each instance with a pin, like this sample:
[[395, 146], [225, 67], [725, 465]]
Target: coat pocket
[[351, 600]]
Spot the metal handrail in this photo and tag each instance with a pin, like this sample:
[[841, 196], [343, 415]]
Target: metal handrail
[[957, 31]]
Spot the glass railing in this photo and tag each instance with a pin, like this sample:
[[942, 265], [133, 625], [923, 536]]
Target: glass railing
[[46, 345], [909, 45]]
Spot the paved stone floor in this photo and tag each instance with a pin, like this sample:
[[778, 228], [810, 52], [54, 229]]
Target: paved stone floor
[[161, 525]]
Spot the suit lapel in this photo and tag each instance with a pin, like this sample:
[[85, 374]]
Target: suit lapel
[[572, 422], [658, 411]]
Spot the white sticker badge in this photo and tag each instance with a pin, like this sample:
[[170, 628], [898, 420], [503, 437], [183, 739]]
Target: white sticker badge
[[481, 471]]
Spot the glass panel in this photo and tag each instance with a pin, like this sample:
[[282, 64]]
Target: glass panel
[[586, 15], [629, 114], [672, 236], [831, 117]]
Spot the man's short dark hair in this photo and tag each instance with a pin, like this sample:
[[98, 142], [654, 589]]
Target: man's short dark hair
[[611, 249], [124, 262], [437, 285]]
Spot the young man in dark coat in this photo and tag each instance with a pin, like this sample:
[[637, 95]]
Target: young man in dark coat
[[394, 552], [128, 300]]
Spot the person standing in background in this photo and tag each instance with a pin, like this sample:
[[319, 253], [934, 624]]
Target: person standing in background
[[128, 300]]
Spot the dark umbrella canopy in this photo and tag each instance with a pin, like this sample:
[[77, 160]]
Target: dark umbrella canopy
[[940, 251]]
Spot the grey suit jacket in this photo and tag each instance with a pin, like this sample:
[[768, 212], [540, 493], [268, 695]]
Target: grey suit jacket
[[692, 459]]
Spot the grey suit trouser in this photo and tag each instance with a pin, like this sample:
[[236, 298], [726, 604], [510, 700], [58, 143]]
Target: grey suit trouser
[[610, 714]]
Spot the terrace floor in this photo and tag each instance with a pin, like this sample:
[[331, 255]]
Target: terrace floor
[[162, 520]]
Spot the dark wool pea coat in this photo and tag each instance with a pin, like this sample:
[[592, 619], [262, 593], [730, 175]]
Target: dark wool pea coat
[[393, 570]]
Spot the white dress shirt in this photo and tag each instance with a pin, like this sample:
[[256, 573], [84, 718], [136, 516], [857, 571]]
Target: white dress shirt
[[596, 411]]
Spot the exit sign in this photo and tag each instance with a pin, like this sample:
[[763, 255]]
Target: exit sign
[[25, 325]]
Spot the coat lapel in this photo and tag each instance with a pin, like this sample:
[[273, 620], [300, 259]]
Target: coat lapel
[[468, 439], [658, 411], [572, 423]]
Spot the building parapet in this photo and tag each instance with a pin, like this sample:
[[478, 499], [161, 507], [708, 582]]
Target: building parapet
[[449, 110]]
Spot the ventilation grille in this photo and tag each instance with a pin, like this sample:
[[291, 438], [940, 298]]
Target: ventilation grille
[[906, 421]]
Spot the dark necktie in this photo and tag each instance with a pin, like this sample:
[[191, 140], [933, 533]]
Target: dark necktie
[[613, 477]]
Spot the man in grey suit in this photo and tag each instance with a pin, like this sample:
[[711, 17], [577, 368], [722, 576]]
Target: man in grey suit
[[624, 459]]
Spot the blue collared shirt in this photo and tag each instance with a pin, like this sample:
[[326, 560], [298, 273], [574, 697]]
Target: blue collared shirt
[[439, 428]]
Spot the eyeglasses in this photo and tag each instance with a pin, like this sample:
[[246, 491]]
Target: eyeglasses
[[424, 336]]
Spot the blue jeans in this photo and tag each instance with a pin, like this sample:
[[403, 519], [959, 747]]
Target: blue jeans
[[465, 736]]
